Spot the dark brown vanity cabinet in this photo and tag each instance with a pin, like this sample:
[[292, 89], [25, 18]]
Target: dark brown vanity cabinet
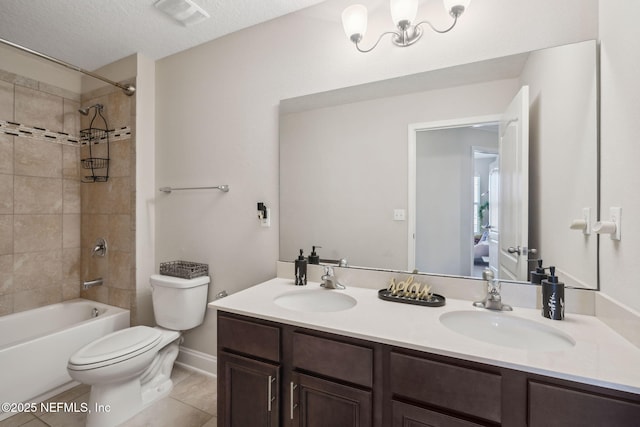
[[249, 373], [405, 415], [557, 405], [272, 374], [318, 402], [437, 391], [454, 391], [278, 375], [332, 382], [250, 391]]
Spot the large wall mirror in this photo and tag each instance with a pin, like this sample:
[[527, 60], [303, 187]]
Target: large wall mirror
[[405, 174]]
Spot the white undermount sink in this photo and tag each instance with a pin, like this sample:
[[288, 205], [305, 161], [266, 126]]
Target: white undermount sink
[[507, 330], [321, 300]]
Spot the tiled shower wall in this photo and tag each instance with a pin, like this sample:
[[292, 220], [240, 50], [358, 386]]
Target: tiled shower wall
[[39, 197], [108, 208], [49, 220]]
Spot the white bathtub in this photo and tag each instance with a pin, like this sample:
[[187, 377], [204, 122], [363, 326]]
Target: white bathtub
[[35, 346]]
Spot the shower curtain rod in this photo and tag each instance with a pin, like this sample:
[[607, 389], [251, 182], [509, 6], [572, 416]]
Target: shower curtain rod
[[128, 89]]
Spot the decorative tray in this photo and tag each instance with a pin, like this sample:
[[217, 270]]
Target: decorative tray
[[434, 300]]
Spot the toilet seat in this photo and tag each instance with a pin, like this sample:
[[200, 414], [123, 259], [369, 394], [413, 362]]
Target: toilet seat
[[115, 348]]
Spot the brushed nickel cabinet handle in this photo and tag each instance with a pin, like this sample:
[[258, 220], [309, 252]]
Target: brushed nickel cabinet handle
[[292, 405], [270, 397]]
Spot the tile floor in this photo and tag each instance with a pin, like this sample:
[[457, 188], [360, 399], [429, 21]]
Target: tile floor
[[192, 403]]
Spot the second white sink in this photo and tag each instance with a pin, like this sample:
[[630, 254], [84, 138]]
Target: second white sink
[[507, 330], [320, 300]]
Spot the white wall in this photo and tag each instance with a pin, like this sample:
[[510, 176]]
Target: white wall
[[620, 147], [217, 115]]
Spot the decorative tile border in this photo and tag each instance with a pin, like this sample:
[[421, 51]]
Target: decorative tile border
[[38, 133]]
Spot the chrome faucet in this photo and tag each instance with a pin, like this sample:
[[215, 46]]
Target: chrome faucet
[[329, 280], [493, 300]]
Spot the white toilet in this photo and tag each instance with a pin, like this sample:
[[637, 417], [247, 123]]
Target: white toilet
[[131, 368]]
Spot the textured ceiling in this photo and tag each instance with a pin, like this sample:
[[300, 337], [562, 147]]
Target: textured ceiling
[[93, 33]]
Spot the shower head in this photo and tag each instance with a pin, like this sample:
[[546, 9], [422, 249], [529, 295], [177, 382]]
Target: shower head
[[85, 111]]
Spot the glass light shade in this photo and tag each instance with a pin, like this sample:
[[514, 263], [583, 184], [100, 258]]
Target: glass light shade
[[403, 10], [354, 20], [449, 4]]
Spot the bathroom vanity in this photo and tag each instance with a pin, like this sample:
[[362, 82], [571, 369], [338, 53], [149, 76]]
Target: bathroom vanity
[[383, 364]]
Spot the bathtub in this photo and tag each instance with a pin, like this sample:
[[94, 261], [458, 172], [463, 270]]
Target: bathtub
[[35, 346]]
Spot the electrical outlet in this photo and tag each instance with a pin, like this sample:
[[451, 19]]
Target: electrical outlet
[[398, 214]]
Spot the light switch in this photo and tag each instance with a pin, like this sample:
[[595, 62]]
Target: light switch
[[398, 214]]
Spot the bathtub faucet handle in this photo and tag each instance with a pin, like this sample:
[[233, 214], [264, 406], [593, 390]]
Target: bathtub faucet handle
[[100, 248]]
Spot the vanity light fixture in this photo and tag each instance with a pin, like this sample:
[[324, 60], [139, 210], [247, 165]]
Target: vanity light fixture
[[403, 13]]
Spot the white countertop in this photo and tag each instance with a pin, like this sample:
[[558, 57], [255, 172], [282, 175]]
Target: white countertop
[[600, 356]]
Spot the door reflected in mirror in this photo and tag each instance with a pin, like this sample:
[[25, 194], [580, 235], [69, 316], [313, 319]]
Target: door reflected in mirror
[[453, 170]]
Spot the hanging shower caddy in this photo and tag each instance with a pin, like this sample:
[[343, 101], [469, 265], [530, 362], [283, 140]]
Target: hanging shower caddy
[[96, 138]]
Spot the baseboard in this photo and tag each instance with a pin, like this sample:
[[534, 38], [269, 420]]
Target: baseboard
[[198, 361]]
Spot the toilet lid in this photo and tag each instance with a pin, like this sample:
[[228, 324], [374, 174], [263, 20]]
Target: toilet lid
[[116, 347]]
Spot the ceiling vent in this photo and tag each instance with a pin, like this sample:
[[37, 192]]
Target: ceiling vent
[[184, 11]]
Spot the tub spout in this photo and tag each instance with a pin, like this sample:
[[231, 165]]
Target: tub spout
[[91, 283]]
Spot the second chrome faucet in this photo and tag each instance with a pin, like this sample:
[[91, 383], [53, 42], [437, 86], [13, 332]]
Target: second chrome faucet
[[329, 280], [493, 300]]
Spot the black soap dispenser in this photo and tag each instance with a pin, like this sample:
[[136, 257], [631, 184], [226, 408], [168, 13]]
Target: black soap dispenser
[[553, 296], [314, 258], [538, 275], [301, 270]]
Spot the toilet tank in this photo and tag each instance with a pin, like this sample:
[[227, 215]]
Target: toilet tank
[[179, 304]]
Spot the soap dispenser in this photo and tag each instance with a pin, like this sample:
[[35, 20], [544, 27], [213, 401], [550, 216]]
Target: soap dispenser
[[301, 270], [314, 258], [553, 296], [538, 275]]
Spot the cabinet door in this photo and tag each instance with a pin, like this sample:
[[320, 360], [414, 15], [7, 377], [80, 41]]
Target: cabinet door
[[247, 392], [553, 405], [458, 389], [412, 416], [319, 403]]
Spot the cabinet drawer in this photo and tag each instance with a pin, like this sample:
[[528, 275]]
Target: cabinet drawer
[[249, 338], [462, 390], [412, 416], [335, 359], [551, 405]]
